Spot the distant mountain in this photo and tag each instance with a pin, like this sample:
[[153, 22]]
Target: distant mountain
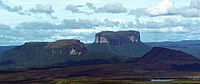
[[5, 48], [57, 48], [58, 53], [117, 38], [163, 58], [189, 46], [37, 54], [108, 48], [125, 43], [113, 56]]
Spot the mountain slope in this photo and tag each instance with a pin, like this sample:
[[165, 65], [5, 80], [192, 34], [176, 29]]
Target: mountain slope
[[5, 48], [188, 46], [38, 54], [162, 58], [130, 50]]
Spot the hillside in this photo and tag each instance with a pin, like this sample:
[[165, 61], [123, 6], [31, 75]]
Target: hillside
[[5, 48], [188, 46], [135, 50], [165, 59]]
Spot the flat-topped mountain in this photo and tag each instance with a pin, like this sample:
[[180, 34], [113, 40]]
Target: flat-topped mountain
[[125, 43], [117, 38], [41, 54], [57, 48]]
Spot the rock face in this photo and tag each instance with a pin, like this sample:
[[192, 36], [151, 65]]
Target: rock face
[[67, 47], [57, 48], [125, 43], [162, 58], [117, 38]]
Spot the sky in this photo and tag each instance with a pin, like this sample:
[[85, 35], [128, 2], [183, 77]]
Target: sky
[[50, 20]]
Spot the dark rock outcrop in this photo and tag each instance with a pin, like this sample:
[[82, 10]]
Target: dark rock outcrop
[[117, 38], [163, 58]]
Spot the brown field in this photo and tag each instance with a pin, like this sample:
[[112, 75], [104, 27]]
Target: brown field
[[97, 74]]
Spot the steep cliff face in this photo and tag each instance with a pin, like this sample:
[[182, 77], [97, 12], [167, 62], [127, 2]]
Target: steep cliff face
[[67, 47], [117, 38], [58, 48]]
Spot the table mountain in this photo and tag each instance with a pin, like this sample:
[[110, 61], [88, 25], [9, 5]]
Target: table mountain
[[117, 38], [57, 48], [125, 43]]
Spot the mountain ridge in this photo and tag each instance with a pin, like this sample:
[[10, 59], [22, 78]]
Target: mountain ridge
[[111, 47]]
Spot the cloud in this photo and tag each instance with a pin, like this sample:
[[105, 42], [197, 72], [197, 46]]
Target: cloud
[[18, 36], [109, 23], [195, 4], [4, 27], [36, 25], [85, 29], [178, 29], [80, 23], [112, 8], [91, 6], [17, 9], [188, 12], [165, 23], [169, 23], [108, 8], [68, 24], [65, 24], [39, 8], [74, 9], [166, 7], [193, 10]]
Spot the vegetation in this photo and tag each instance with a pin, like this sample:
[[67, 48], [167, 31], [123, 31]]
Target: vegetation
[[26, 62], [65, 81], [5, 48], [131, 50], [190, 47]]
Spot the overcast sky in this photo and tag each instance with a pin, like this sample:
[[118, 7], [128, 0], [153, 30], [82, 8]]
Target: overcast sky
[[49, 20]]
